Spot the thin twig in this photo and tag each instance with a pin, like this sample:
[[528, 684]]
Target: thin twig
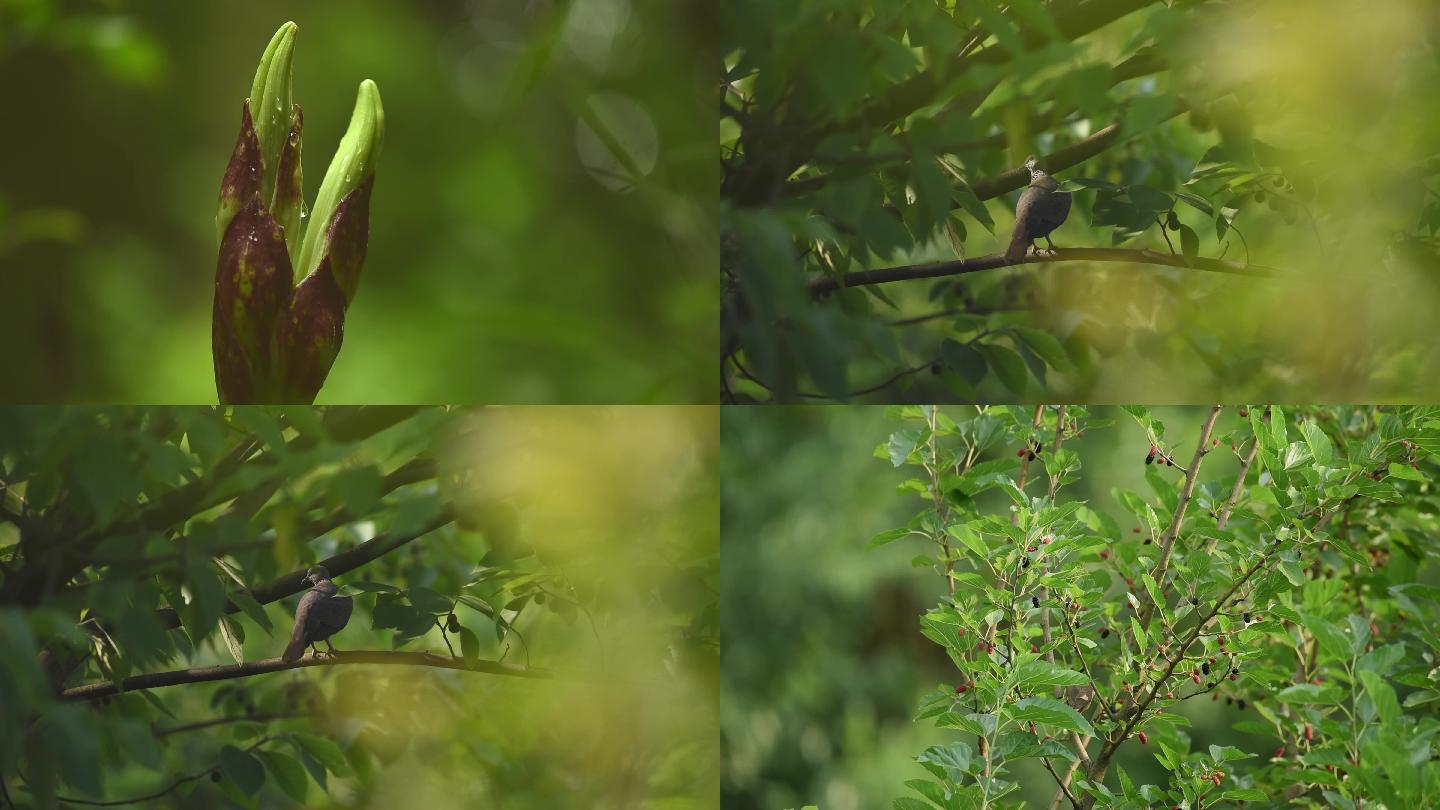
[[1167, 540], [160, 731], [150, 797], [445, 636], [1168, 243], [99, 689]]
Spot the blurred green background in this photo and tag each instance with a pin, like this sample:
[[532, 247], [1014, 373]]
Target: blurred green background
[[543, 226], [824, 661]]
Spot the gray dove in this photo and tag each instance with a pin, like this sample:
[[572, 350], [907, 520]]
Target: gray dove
[[1041, 210], [321, 614]]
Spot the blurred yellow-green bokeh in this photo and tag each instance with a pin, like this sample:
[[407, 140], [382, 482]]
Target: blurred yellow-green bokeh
[[542, 230]]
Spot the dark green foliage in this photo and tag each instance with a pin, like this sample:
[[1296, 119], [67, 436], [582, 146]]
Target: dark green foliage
[[889, 137], [1307, 573], [143, 540]]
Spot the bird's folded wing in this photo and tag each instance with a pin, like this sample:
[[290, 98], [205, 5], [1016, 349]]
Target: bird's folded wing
[[330, 616]]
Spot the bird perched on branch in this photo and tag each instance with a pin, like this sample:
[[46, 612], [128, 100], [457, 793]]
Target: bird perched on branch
[[1042, 209], [321, 614]]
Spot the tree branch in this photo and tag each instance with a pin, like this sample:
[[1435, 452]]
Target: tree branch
[[906, 97], [161, 792], [164, 731], [1138, 65], [156, 680], [64, 561], [1167, 540], [823, 285], [344, 562]]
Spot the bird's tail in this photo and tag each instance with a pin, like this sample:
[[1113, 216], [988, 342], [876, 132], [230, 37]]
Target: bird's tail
[[296, 647], [1018, 244]]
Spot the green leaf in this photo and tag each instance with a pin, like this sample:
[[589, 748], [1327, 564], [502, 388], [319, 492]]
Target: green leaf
[[243, 770], [1189, 244], [970, 539], [1139, 632], [887, 537], [1397, 766], [1407, 472], [251, 609], [1310, 693], [952, 762], [325, 751], [1047, 346], [469, 646], [1050, 712], [1151, 200], [1383, 695], [975, 208], [357, 489], [1292, 572], [1320, 446], [1043, 673], [230, 631], [207, 599], [288, 772], [430, 601], [372, 587], [963, 359], [1008, 366], [1331, 639]]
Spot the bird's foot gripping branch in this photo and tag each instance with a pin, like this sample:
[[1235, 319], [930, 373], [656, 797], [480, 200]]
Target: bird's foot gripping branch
[[274, 338]]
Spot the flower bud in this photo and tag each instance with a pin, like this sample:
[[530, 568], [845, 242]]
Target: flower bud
[[275, 340], [272, 101], [352, 169]]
